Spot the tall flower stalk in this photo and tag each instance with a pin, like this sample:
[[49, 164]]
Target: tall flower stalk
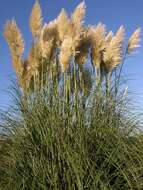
[[64, 42]]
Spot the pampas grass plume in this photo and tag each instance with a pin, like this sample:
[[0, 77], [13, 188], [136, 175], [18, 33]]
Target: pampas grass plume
[[109, 37], [98, 43], [36, 19], [14, 38], [134, 40], [66, 52], [48, 38], [15, 41], [113, 53], [63, 24], [79, 14]]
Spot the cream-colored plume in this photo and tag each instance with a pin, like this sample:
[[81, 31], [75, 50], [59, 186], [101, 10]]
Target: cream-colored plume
[[34, 56], [71, 28], [48, 39], [63, 25], [134, 40], [77, 20], [83, 48], [78, 15], [113, 52], [14, 38], [36, 19], [67, 50], [16, 44], [109, 37], [120, 35], [98, 43]]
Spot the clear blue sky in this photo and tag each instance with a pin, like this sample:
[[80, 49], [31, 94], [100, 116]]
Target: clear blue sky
[[113, 13]]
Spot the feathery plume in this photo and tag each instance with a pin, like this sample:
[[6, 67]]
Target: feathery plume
[[98, 32], [67, 50], [134, 40], [15, 41], [30, 65], [98, 43], [50, 30], [23, 80], [79, 14], [14, 38], [77, 20], [36, 19], [48, 39], [112, 55], [109, 37], [34, 55], [120, 35], [27, 75], [71, 28], [63, 25], [83, 48]]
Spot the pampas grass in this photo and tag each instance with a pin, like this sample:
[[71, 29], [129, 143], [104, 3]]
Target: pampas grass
[[82, 50], [48, 39], [70, 127], [66, 53], [14, 38], [134, 41], [78, 15], [66, 39], [98, 43], [36, 19], [113, 54], [15, 41], [57, 144], [63, 24]]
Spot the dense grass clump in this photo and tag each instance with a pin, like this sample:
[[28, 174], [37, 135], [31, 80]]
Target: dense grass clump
[[56, 142]]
